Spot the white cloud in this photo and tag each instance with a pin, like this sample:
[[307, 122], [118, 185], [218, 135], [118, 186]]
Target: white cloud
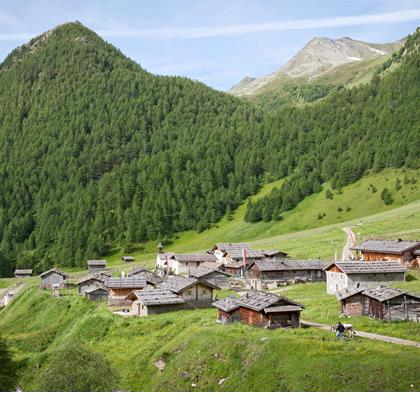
[[298, 24]]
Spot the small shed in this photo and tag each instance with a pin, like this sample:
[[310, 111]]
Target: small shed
[[213, 276], [96, 294], [381, 302], [269, 310], [155, 301], [91, 282], [228, 309], [96, 265], [358, 274], [195, 292], [23, 273], [120, 288], [53, 277], [150, 277], [127, 258]]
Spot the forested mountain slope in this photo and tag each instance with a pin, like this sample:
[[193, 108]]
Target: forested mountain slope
[[95, 151]]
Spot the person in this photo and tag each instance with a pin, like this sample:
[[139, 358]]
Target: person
[[340, 329]]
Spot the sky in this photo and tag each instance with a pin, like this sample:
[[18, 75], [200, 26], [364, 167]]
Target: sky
[[217, 42]]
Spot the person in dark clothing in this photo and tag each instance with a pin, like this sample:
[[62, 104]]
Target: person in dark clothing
[[340, 329]]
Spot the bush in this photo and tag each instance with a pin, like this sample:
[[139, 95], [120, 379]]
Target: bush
[[329, 194], [387, 197], [8, 375], [398, 184], [77, 368]]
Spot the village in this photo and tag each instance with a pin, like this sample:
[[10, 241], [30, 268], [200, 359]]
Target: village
[[364, 285]]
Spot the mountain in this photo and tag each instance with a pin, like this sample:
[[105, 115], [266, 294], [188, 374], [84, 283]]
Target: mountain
[[318, 58], [99, 155]]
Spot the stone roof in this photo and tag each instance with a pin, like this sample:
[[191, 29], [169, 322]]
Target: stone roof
[[282, 309], [232, 246], [363, 267], [155, 297], [126, 282], [97, 277], [203, 271], [348, 292], [212, 265], [96, 262], [136, 270], [383, 293], [227, 304], [183, 258], [234, 265], [149, 276], [417, 253], [92, 290], [24, 271], [258, 301], [163, 255], [179, 284], [397, 246], [127, 258], [290, 264], [271, 253], [54, 270]]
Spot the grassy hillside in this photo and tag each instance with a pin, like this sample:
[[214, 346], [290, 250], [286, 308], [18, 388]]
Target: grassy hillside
[[199, 354]]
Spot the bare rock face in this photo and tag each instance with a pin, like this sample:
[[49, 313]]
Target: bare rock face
[[317, 57]]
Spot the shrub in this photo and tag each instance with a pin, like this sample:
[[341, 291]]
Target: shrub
[[386, 196], [8, 375], [329, 194], [339, 209]]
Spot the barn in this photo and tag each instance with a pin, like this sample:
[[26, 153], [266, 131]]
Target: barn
[[23, 273], [228, 309], [90, 282], [261, 272], [96, 294], [155, 301], [150, 277], [53, 277], [196, 293], [96, 265], [381, 302], [358, 274], [213, 276], [399, 250]]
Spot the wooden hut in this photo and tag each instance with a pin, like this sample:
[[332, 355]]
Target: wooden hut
[[399, 250], [382, 302], [182, 263], [213, 276], [195, 292], [150, 277], [91, 282], [155, 301], [96, 294], [23, 273], [120, 288], [228, 309], [358, 274], [261, 272], [53, 277], [261, 309], [96, 265]]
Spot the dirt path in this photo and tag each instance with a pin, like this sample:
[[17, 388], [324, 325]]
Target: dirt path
[[351, 240], [371, 336]]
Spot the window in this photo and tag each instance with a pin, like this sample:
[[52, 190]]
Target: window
[[204, 292], [189, 292]]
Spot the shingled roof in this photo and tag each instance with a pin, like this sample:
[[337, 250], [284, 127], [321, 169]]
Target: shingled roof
[[203, 271], [232, 246], [282, 309], [194, 257], [257, 301], [348, 292], [179, 284], [54, 270], [95, 277], [362, 267], [96, 262], [289, 264], [149, 276], [136, 282], [155, 297], [397, 246], [227, 304], [24, 271], [383, 293]]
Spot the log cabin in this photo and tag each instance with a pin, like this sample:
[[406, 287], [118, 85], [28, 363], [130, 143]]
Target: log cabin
[[96, 265], [382, 302], [261, 272], [150, 277], [53, 277], [399, 250], [155, 301], [261, 309], [213, 276], [196, 293], [358, 274], [23, 273], [90, 282], [120, 288], [228, 309]]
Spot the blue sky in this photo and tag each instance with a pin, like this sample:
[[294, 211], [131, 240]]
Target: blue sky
[[217, 42]]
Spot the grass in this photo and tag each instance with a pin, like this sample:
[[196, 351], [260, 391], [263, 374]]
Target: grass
[[199, 354]]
